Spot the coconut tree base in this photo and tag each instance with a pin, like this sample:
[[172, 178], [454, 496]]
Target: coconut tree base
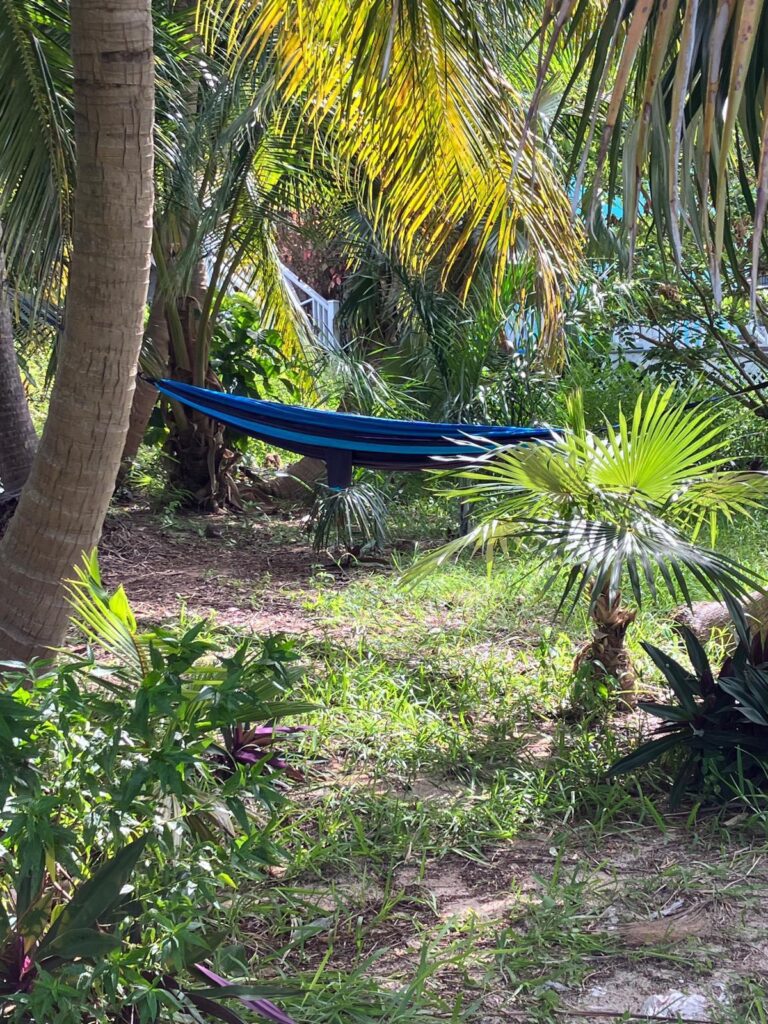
[[201, 468]]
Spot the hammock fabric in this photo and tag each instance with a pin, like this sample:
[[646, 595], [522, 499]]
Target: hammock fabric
[[343, 440]]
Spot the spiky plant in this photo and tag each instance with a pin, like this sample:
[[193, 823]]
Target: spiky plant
[[615, 512], [350, 519]]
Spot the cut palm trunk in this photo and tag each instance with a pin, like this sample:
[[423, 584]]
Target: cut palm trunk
[[297, 482], [704, 618], [606, 656]]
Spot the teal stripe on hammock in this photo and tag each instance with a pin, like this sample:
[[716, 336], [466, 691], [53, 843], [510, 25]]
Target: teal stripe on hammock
[[322, 441]]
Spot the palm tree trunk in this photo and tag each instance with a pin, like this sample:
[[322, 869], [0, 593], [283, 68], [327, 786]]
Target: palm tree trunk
[[145, 396], [606, 655], [18, 439], [297, 482], [707, 617], [64, 502]]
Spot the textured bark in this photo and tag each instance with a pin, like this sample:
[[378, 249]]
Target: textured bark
[[606, 654], [18, 440], [62, 507], [707, 617], [145, 395]]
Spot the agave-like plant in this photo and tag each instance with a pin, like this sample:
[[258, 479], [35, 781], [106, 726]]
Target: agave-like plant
[[624, 509], [718, 720]]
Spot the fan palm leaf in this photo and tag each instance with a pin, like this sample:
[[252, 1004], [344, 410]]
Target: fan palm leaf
[[627, 507]]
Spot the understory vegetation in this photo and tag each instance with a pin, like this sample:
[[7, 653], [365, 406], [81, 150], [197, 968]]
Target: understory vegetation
[[290, 731], [448, 839]]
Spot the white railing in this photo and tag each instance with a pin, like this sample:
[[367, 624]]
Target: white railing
[[320, 312]]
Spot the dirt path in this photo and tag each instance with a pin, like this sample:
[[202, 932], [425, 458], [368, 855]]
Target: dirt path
[[249, 573], [578, 925]]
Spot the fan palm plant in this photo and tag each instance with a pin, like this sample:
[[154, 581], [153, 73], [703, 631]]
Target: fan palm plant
[[624, 510]]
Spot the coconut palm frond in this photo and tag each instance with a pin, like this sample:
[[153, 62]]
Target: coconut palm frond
[[259, 274], [411, 95], [37, 154], [106, 619], [682, 103]]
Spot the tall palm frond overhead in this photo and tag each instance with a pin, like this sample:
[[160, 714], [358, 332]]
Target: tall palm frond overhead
[[411, 98], [676, 94], [37, 151]]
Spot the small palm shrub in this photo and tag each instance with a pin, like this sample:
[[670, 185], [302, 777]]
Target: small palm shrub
[[623, 511], [136, 785], [717, 725], [352, 519]]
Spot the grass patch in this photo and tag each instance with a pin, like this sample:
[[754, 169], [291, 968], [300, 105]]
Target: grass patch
[[457, 852]]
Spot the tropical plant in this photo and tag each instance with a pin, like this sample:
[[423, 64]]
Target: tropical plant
[[137, 778], [411, 103], [718, 723], [673, 101], [620, 511], [470, 359], [249, 358], [191, 710], [18, 439], [37, 161], [353, 519]]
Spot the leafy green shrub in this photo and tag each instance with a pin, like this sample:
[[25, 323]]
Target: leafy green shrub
[[135, 785], [718, 723], [250, 359]]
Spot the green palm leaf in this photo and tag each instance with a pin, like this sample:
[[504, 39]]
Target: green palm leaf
[[689, 78], [37, 153], [623, 510], [413, 99]]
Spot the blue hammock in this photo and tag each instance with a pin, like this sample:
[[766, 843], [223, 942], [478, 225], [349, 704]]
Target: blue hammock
[[343, 440]]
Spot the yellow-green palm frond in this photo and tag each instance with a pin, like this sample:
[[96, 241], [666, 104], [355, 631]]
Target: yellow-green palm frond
[[410, 97], [261, 277]]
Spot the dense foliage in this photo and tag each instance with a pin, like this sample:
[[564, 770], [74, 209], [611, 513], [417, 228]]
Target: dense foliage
[[137, 783]]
